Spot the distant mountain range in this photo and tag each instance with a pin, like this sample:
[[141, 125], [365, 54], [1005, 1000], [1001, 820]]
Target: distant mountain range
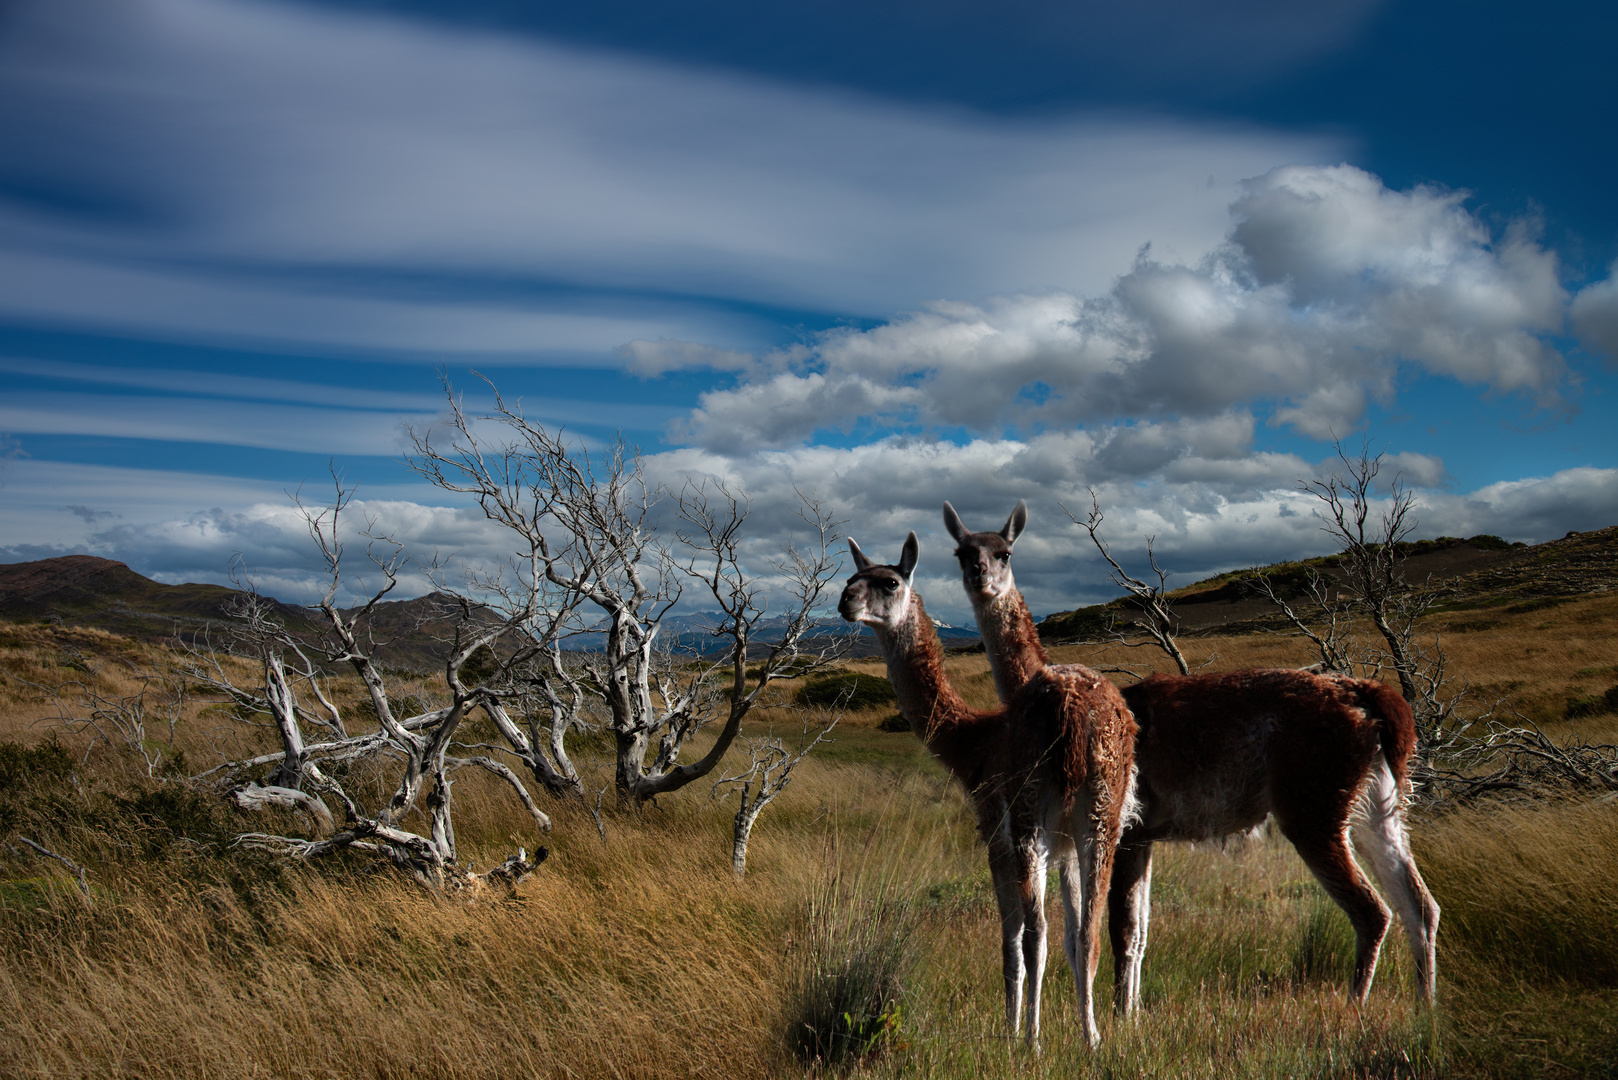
[[84, 590]]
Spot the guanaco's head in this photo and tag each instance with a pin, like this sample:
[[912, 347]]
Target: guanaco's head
[[985, 557], [879, 596]]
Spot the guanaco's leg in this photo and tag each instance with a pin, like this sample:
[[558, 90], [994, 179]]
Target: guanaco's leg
[[1034, 931], [1085, 871], [1382, 839], [1006, 872], [1328, 857], [1129, 904]]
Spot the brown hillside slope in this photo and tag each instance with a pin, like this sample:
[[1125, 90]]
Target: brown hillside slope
[[1476, 573]]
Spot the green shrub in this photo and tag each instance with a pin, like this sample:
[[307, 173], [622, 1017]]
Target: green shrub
[[1593, 705], [849, 999], [43, 763], [849, 689], [1489, 542], [170, 812]]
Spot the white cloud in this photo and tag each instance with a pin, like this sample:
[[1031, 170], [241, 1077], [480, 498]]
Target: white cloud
[[648, 358], [1534, 509], [1328, 283], [1595, 314], [790, 408], [1207, 513]]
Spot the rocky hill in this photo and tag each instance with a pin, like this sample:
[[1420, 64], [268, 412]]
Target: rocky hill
[[83, 590]]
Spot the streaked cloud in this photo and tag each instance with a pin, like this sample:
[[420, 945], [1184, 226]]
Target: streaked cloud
[[259, 143]]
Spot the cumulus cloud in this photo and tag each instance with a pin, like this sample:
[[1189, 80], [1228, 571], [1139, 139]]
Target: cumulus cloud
[[1327, 284], [1595, 315]]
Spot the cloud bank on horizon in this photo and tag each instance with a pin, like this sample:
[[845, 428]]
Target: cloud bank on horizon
[[793, 288]]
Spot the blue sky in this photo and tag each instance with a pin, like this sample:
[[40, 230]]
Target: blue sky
[[893, 253]]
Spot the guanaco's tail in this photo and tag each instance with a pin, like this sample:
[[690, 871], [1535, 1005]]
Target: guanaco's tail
[[1396, 726]]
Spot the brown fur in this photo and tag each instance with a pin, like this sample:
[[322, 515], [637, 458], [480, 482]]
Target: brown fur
[[1011, 641], [1049, 773]]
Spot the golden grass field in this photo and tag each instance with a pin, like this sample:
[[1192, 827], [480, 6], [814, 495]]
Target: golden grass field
[[640, 956]]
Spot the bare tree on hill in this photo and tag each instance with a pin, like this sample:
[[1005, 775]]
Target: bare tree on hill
[[590, 558], [1372, 583], [1463, 752]]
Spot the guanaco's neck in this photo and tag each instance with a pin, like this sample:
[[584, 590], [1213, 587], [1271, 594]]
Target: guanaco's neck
[[952, 730], [1010, 640]]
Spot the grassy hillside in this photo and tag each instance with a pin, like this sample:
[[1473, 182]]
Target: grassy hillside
[[1483, 574], [639, 955]]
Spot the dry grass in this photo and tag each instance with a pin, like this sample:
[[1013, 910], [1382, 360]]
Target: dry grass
[[640, 956]]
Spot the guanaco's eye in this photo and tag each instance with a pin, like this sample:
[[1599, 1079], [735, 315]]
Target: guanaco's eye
[[1003, 556], [889, 586]]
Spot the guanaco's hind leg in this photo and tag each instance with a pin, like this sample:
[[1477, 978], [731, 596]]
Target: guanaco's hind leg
[[1328, 857], [1035, 929], [1129, 906], [1382, 839], [1086, 869]]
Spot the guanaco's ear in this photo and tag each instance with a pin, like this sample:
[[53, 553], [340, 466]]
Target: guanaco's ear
[[1016, 523], [952, 522], [861, 563], [907, 557]]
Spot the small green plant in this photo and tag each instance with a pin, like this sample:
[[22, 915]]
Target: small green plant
[[849, 1000]]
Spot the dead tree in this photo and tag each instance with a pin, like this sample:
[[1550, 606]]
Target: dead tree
[[592, 557], [1155, 617], [1329, 625], [565, 633], [1372, 584], [291, 664], [142, 724], [769, 771]]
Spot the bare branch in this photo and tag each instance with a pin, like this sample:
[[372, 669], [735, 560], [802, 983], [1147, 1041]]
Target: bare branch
[[1156, 617], [78, 871]]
